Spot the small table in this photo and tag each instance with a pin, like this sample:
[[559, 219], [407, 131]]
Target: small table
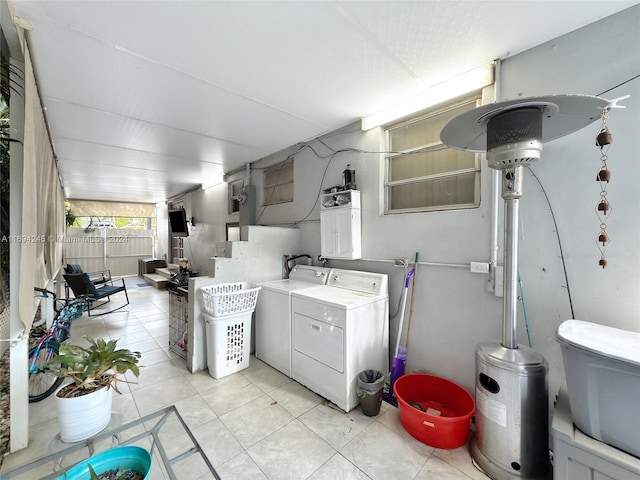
[[151, 429], [57, 445]]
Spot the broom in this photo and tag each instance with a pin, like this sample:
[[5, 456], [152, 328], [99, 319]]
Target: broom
[[413, 289]]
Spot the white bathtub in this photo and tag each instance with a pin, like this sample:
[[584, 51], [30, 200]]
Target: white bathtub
[[602, 367]]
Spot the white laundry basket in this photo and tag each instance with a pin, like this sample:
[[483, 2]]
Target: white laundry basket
[[228, 310], [229, 298], [228, 343]]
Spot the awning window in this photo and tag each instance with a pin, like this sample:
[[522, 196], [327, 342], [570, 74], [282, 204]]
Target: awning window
[[94, 208]]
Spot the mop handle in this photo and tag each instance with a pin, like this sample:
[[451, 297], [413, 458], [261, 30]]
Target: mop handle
[[404, 305], [413, 288]]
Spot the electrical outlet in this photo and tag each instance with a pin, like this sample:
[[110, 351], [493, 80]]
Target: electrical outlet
[[479, 267]]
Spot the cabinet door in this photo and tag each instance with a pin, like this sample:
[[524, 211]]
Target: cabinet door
[[344, 239], [340, 233], [328, 233]]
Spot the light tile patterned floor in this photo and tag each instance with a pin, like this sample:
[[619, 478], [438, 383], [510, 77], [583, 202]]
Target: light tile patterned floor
[[256, 424]]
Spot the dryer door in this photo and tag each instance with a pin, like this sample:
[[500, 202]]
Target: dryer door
[[319, 340]]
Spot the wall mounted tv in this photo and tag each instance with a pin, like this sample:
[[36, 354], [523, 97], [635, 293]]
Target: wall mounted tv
[[178, 223]]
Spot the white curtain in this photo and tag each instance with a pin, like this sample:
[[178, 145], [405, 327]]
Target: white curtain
[[42, 204]]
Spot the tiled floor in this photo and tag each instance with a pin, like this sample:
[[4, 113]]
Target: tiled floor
[[256, 424]]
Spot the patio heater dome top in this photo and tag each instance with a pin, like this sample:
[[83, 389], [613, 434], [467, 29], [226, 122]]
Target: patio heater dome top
[[559, 115]]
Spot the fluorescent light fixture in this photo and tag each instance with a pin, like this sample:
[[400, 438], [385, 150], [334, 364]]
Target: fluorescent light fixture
[[213, 180], [213, 174], [211, 184], [465, 83]]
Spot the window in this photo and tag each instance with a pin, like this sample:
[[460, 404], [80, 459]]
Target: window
[[234, 189], [177, 249], [423, 174], [278, 183]]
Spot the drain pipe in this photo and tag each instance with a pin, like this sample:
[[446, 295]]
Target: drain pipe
[[247, 178], [496, 183], [495, 205]]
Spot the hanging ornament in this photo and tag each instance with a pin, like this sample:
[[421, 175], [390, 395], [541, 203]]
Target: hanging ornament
[[604, 175], [604, 137], [603, 209]]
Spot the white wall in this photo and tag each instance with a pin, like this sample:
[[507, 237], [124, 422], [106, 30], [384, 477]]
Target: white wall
[[589, 61], [162, 231], [209, 208], [454, 309]]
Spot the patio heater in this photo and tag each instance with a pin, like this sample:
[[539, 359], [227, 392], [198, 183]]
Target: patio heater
[[512, 407]]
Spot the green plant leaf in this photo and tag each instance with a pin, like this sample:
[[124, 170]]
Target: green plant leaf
[[100, 364], [92, 472]]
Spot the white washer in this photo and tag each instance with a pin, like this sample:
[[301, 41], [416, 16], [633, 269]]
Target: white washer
[[339, 330], [273, 314]]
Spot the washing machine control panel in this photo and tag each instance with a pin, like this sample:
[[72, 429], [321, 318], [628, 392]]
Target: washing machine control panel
[[368, 282], [315, 275]]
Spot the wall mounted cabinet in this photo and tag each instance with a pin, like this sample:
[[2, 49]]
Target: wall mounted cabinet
[[340, 225]]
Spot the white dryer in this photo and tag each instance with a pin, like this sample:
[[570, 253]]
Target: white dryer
[[273, 314], [339, 330]]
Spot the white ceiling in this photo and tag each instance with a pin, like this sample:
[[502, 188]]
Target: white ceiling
[[146, 99]]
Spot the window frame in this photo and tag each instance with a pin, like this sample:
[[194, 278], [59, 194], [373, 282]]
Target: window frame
[[429, 147], [267, 189], [233, 204]]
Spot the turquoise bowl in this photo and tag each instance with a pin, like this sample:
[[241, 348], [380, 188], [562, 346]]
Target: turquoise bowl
[[131, 456]]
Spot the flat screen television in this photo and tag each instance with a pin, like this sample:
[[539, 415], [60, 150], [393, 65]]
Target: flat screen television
[[178, 223]]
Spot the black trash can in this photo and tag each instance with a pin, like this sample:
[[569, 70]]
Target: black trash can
[[370, 385]]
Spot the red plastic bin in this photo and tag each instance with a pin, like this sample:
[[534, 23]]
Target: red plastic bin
[[448, 409]]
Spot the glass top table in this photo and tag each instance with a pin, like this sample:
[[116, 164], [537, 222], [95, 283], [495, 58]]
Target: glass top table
[[164, 433]]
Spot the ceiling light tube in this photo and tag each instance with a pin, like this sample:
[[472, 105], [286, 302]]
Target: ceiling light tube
[[465, 83], [211, 184]]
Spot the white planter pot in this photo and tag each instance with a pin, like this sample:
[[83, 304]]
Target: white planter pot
[[82, 417]]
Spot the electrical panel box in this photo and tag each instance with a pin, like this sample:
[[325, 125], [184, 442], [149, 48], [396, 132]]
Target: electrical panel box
[[248, 206]]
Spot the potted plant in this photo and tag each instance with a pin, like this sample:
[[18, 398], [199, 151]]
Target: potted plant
[[84, 405], [119, 463]]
